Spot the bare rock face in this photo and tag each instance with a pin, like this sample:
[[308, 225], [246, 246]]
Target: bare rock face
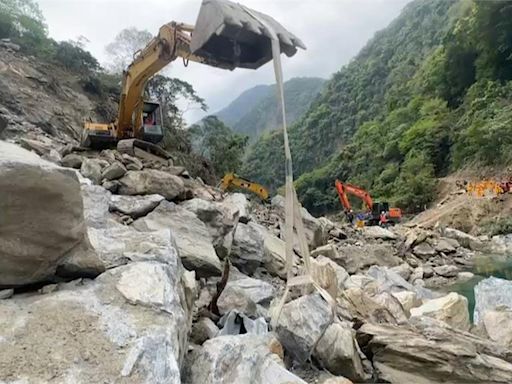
[[429, 351], [42, 220], [245, 358], [151, 181], [129, 325]]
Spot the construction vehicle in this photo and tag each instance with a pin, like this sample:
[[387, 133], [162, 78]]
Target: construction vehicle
[[231, 180], [226, 35], [375, 209]]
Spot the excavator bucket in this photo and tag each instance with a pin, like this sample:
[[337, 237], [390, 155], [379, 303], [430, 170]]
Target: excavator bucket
[[237, 35]]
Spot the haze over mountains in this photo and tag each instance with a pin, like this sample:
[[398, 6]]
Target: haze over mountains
[[255, 110]]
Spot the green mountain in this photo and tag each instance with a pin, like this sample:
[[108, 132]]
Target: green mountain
[[255, 110], [242, 105], [429, 94]]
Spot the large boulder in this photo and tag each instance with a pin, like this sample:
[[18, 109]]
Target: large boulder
[[219, 219], [376, 232], [247, 250], [246, 358], [464, 239], [429, 351], [314, 230], [355, 258], [134, 206], [238, 202], [41, 221], [92, 168], [452, 309], [192, 238], [114, 171], [338, 351], [151, 181], [424, 251], [301, 324], [128, 325], [490, 294], [498, 325]]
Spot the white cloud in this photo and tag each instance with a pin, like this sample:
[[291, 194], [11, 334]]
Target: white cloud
[[333, 31]]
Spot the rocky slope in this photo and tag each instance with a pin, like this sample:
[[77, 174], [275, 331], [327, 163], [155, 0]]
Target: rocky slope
[[124, 268]]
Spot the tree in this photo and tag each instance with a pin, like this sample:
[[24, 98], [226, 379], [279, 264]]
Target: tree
[[23, 22], [72, 55], [125, 45], [215, 141]]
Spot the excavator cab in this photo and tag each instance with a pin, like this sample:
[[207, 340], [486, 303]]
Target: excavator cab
[[152, 122]]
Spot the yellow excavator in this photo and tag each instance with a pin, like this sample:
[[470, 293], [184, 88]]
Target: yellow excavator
[[231, 180], [226, 35]]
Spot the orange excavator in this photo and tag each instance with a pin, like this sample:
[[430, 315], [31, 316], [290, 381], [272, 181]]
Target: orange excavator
[[377, 212]]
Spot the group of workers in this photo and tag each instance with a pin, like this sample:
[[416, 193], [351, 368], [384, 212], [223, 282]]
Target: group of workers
[[482, 188]]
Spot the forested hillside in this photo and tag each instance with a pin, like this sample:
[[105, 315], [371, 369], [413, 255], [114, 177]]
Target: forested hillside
[[428, 95], [255, 110]]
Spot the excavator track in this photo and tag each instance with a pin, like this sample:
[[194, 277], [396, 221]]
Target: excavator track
[[128, 146]]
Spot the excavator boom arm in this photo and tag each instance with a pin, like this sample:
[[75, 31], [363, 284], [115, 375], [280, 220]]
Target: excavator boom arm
[[172, 41], [344, 188]]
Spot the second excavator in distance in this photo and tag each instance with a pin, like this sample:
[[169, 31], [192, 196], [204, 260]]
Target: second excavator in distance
[[226, 35], [376, 211]]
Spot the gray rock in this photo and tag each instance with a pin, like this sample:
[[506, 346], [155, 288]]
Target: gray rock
[[6, 293], [301, 324], [408, 300], [389, 281], [446, 270], [445, 246], [128, 325], [236, 299], [204, 329], [492, 293], [429, 351], [192, 238], [341, 274], [72, 161], [452, 309], [257, 290], [498, 325], [91, 168], [96, 201], [134, 206], [114, 171], [376, 232], [132, 163], [247, 249], [424, 251], [404, 270], [254, 359], [327, 250], [356, 258], [219, 219], [42, 220], [151, 181], [466, 240], [338, 351], [111, 185], [238, 202]]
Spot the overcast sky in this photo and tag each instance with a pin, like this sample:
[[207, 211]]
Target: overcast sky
[[333, 31]]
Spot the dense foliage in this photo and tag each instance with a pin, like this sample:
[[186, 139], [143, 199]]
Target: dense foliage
[[214, 140], [428, 95], [22, 22], [255, 111]]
